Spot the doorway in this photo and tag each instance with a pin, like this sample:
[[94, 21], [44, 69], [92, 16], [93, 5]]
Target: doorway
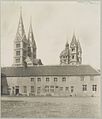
[[17, 91]]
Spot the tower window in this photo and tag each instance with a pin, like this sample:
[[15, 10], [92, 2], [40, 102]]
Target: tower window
[[17, 53], [73, 57], [17, 60], [18, 45], [72, 49], [24, 53], [24, 45]]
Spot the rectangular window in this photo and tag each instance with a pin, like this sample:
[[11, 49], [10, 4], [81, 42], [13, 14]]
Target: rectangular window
[[56, 86], [38, 89], [47, 80], [94, 87], [52, 88], [32, 79], [72, 89], [64, 79], [17, 60], [82, 78], [18, 45], [61, 88], [92, 78], [67, 88], [55, 80], [39, 79], [46, 88], [17, 53], [32, 89], [84, 87], [25, 89]]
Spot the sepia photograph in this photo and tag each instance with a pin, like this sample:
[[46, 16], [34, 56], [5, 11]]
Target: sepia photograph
[[50, 59]]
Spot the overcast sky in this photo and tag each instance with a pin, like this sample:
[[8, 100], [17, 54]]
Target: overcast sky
[[53, 24]]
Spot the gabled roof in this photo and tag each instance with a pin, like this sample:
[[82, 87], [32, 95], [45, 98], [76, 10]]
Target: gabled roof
[[55, 70]]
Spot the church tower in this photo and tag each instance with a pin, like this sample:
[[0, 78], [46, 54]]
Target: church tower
[[73, 50], [20, 44], [64, 56], [32, 45], [72, 54], [79, 56]]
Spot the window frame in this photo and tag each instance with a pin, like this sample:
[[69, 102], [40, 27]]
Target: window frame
[[18, 53], [55, 79], [84, 87]]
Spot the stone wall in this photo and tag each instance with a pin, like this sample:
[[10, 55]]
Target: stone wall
[[54, 88]]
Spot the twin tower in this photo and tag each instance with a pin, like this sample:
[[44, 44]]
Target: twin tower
[[25, 49]]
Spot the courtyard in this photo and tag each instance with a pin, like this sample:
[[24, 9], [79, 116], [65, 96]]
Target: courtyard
[[66, 107]]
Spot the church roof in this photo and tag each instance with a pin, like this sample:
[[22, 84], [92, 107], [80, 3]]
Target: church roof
[[31, 37], [74, 41], [54, 70], [64, 53]]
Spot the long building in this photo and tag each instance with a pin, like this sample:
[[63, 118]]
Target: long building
[[29, 77]]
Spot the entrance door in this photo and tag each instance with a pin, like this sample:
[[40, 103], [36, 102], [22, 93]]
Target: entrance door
[[17, 91]]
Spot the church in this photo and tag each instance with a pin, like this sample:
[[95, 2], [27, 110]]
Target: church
[[28, 76]]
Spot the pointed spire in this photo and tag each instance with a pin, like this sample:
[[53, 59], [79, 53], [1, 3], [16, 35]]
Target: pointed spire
[[79, 46], [31, 36], [20, 30], [74, 41], [67, 44]]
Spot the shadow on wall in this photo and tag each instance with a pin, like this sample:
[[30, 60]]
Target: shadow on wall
[[4, 85]]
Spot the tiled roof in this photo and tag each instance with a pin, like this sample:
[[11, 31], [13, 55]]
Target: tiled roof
[[57, 70]]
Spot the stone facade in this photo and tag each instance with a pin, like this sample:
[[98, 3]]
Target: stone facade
[[53, 86]]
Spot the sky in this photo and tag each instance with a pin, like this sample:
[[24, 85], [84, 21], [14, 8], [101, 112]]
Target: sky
[[53, 25]]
